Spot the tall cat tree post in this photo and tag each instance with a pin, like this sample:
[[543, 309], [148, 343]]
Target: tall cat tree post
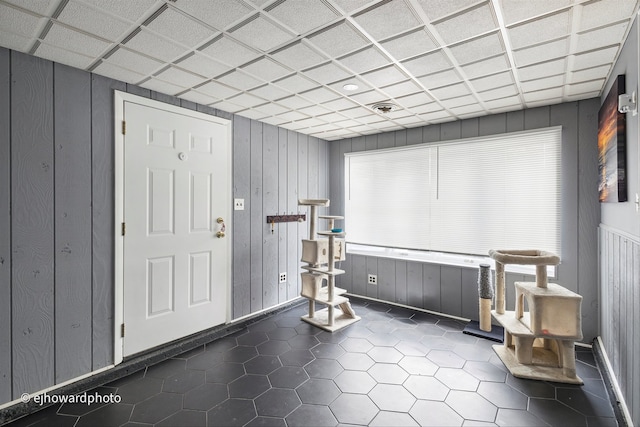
[[538, 344], [320, 255]]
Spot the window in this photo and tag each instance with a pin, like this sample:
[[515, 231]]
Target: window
[[463, 197]]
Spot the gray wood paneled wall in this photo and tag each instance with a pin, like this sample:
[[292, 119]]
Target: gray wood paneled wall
[[453, 290], [620, 313], [57, 216]]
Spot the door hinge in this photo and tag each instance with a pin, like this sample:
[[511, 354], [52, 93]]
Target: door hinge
[[124, 127], [122, 331], [123, 228]]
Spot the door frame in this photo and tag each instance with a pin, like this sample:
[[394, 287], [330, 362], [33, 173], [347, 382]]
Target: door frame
[[119, 100]]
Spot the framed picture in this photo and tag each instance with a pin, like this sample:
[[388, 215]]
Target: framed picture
[[612, 147]]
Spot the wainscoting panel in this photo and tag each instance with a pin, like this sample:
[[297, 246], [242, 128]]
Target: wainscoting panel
[[620, 306]]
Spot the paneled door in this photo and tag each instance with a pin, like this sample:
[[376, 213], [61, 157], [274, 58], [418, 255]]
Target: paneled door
[[175, 205]]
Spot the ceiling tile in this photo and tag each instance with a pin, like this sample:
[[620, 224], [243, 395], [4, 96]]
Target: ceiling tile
[[514, 11], [298, 56], [75, 41], [303, 16], [597, 13], [510, 102], [162, 87], [489, 82], [217, 90], [203, 65], [476, 49], [15, 42], [227, 106], [261, 34], [387, 19], [541, 30], [356, 113], [486, 66], [179, 28], [294, 102], [364, 60], [247, 100], [586, 87], [436, 9], [601, 37], [20, 23], [428, 64], [63, 56], [333, 118], [239, 80], [132, 11], [198, 97], [276, 121], [270, 92], [339, 86], [589, 74], [316, 110], [467, 24], [174, 74], [320, 95], [452, 91], [408, 121], [401, 89], [230, 52], [42, 7], [292, 115], [252, 114], [369, 97], [541, 53], [153, 45], [426, 108], [266, 69], [420, 98], [435, 116], [594, 58], [461, 100], [326, 73], [338, 40], [94, 21], [501, 92], [440, 79], [219, 14], [412, 44], [545, 69], [271, 109], [128, 59], [466, 111], [339, 104], [539, 84], [384, 76], [295, 83], [118, 73], [541, 95]]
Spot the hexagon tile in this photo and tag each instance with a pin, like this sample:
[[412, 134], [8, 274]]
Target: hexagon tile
[[395, 367]]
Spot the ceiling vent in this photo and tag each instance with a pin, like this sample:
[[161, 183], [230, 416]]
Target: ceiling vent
[[384, 107]]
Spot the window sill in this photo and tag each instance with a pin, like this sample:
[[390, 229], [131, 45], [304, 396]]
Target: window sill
[[457, 260]]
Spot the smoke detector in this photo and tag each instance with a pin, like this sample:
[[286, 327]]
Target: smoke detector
[[384, 107]]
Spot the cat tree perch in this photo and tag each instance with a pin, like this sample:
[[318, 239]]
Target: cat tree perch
[[538, 344]]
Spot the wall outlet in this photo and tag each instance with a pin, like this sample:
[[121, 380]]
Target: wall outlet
[[238, 204], [373, 279], [283, 277]]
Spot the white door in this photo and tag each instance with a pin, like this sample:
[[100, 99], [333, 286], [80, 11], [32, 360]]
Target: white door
[[176, 204]]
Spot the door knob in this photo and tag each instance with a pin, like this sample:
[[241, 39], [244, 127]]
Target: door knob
[[222, 229], [220, 234]]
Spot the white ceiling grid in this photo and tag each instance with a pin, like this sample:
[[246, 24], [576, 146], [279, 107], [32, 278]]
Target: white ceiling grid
[[285, 62]]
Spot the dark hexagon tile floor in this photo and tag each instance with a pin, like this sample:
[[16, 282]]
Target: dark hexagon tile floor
[[395, 367]]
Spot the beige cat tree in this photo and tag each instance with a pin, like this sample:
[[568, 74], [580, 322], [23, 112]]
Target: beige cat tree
[[538, 344], [320, 256]]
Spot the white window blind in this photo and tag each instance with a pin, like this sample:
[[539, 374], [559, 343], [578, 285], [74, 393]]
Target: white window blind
[[465, 196]]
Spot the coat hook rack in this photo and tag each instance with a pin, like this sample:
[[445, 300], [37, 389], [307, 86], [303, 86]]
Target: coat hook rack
[[271, 219]]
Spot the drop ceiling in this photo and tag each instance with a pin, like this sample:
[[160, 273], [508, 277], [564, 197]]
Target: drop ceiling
[[285, 62]]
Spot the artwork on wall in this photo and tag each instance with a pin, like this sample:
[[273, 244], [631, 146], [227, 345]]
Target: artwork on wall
[[612, 147]]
